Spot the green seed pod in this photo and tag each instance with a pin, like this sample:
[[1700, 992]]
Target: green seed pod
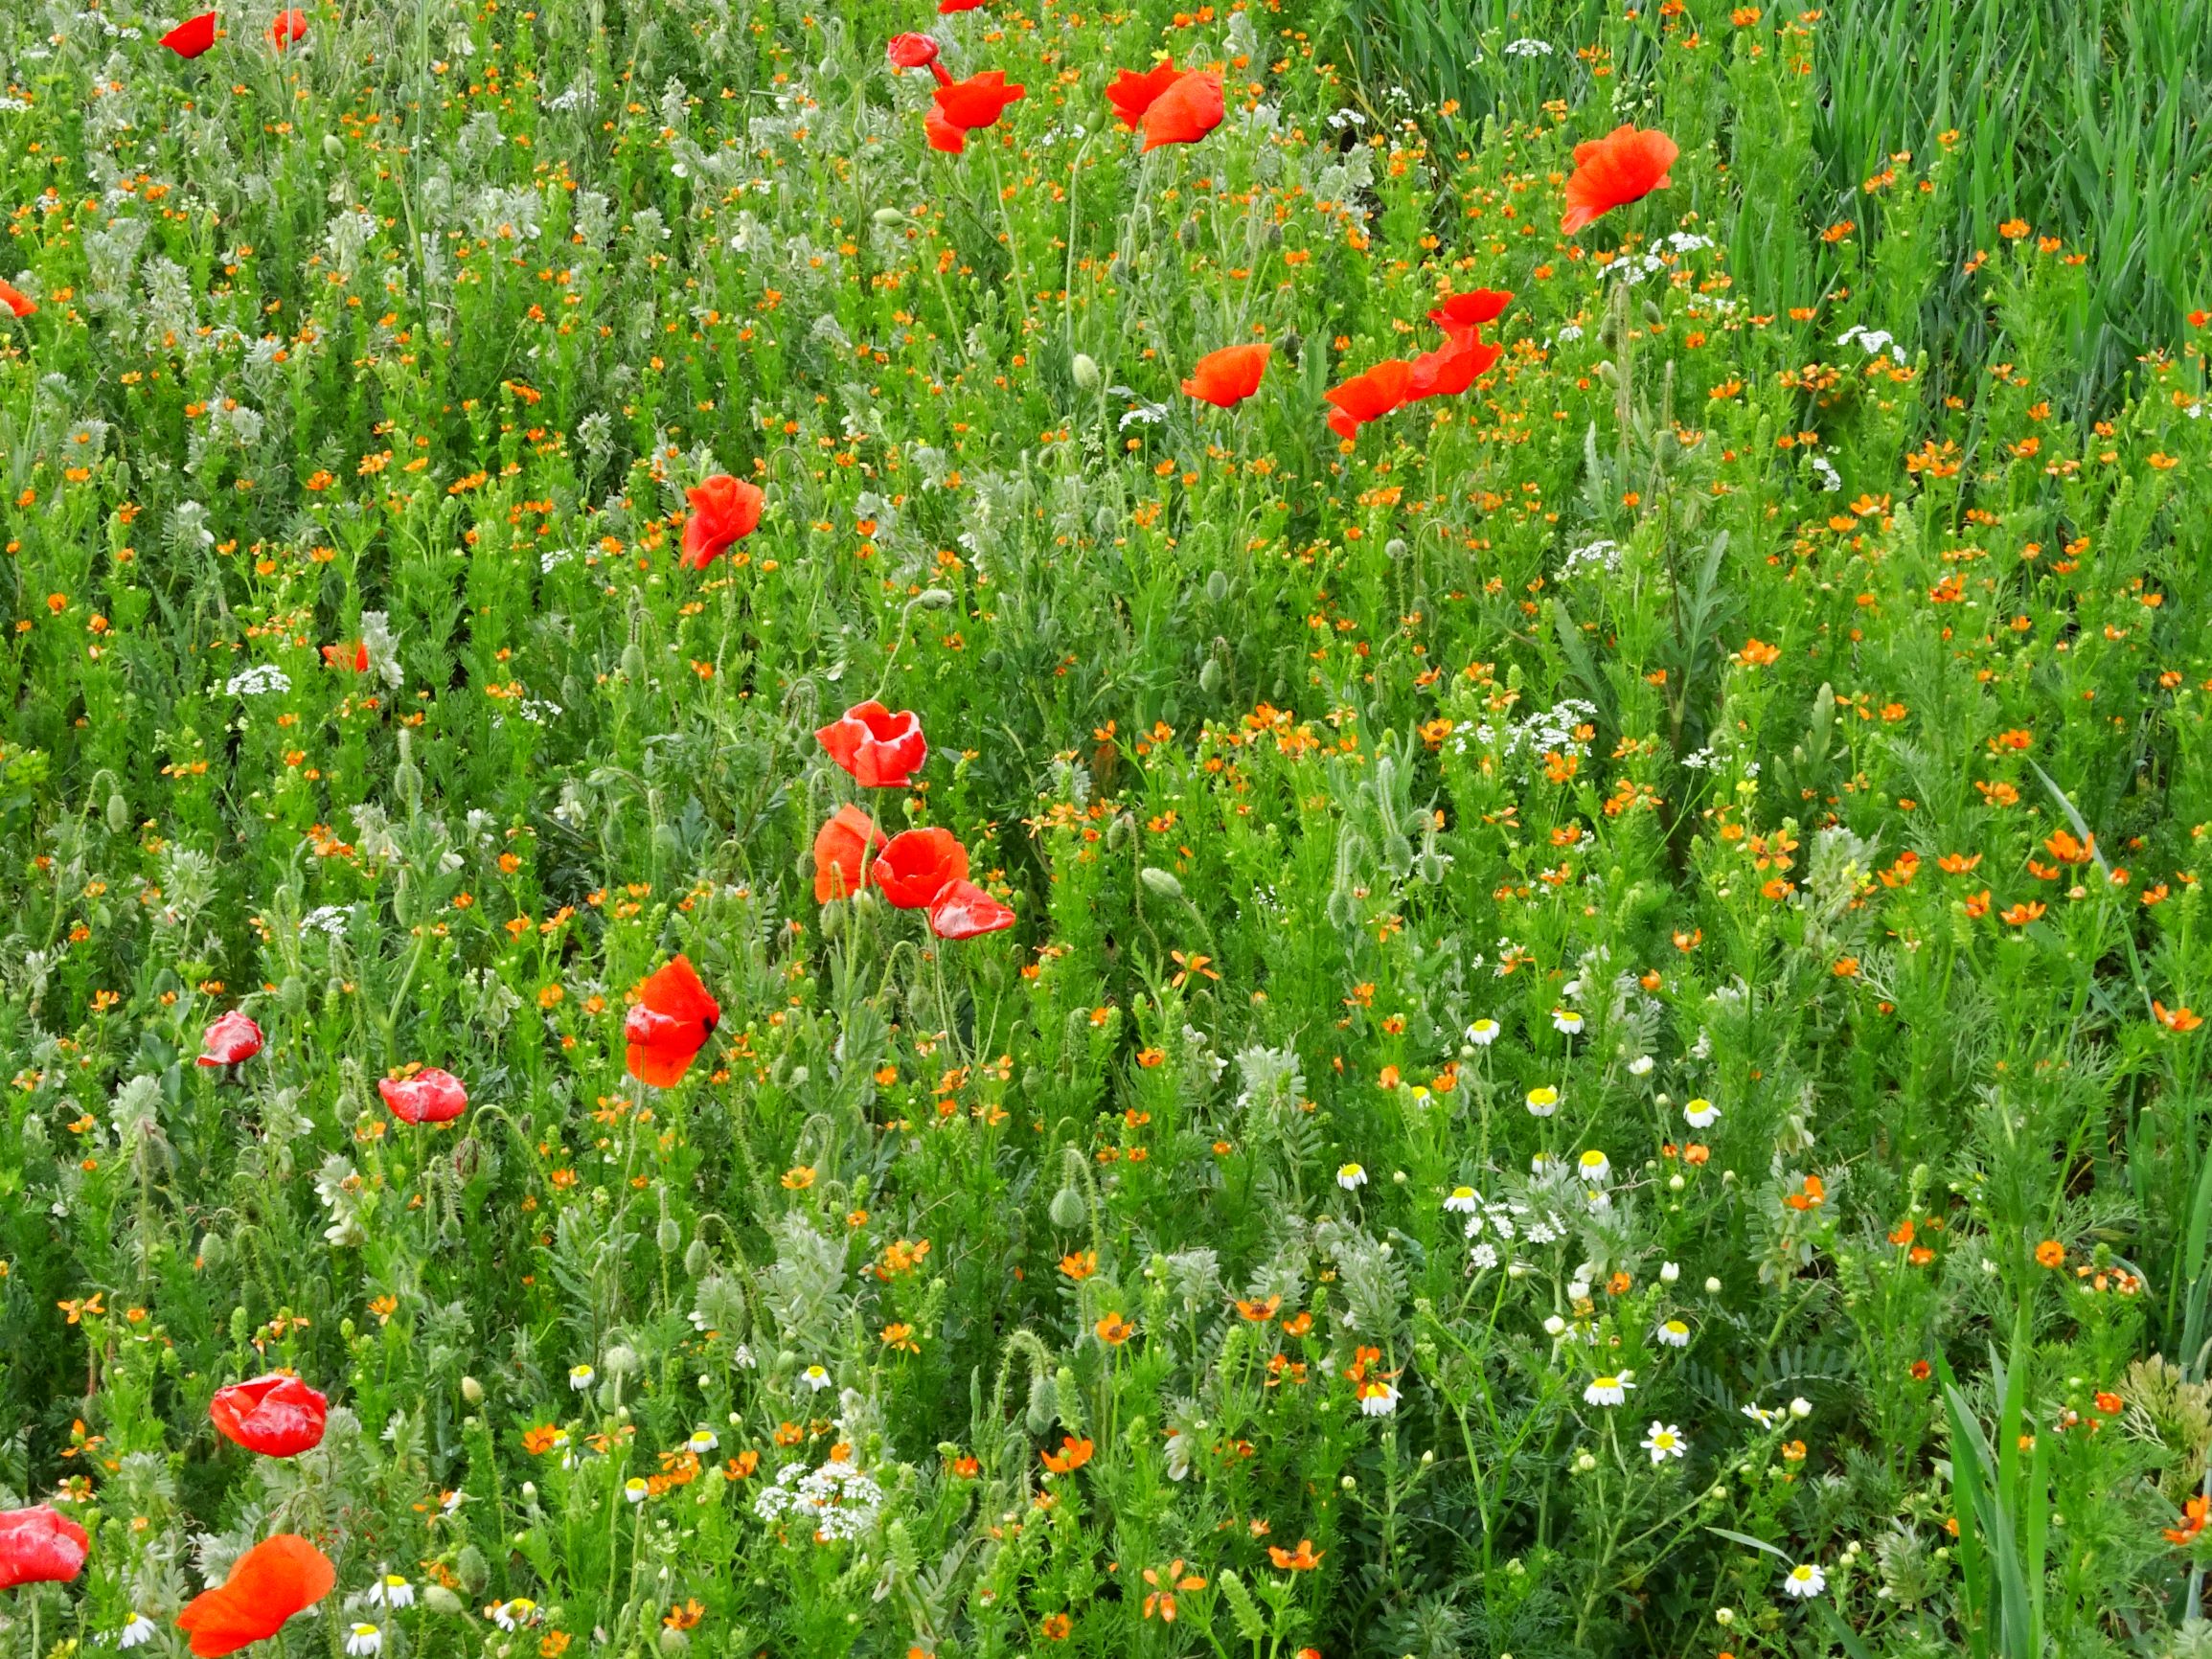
[[1162, 883], [1395, 549], [674, 1640]]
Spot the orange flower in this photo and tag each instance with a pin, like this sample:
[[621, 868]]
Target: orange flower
[[17, 302], [2050, 1253], [1259, 1312], [2193, 1516], [1757, 654], [1226, 377], [2179, 1019], [1165, 1582], [1303, 1560], [1078, 1264], [1072, 1454], [537, 1441], [1113, 1330], [2068, 850], [1623, 166], [2021, 915], [279, 1576], [1055, 1627], [289, 25]]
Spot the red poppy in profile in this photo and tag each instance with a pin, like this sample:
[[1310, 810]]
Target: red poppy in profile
[[16, 299], [1132, 94], [1471, 309], [278, 1415], [963, 910], [724, 511], [193, 37], [1369, 396], [277, 1577], [39, 1546], [940, 133], [357, 659], [670, 1022], [881, 749], [1452, 368], [1611, 171], [1226, 377], [946, 7], [430, 1097], [291, 26], [911, 51], [1186, 112], [841, 850], [918, 865], [979, 100], [232, 1041]]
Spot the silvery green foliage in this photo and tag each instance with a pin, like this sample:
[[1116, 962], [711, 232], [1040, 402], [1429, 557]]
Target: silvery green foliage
[[803, 1288]]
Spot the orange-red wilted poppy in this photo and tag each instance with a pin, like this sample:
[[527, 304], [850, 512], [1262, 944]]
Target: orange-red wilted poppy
[[668, 1025], [21, 303], [962, 910], [193, 37], [1131, 93], [40, 1546], [1369, 395], [290, 25], [1186, 111], [724, 511], [1471, 309], [1226, 377], [917, 865], [964, 106], [881, 749], [1452, 368], [276, 1415], [1625, 166], [430, 1097], [841, 850], [232, 1041], [277, 1577]]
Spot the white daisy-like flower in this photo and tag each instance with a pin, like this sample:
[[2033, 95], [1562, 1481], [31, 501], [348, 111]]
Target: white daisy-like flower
[[1673, 1335], [1594, 1166], [1608, 1390], [1664, 1441], [1701, 1113], [1761, 1415], [1641, 1066], [1464, 1201], [390, 1590], [1554, 1325], [702, 1441], [515, 1614], [1377, 1399], [581, 1378], [815, 1377], [137, 1632], [634, 1489], [1482, 1033], [1669, 1272], [362, 1640], [1566, 1022], [1543, 1100], [1804, 1580], [1542, 1167], [1351, 1177]]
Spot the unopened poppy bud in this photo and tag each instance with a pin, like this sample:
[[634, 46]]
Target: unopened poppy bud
[[241, 1324], [674, 1640], [1085, 367], [1160, 882], [530, 1491], [1652, 314], [472, 1391], [890, 219], [1068, 1402], [1609, 374], [334, 146], [632, 662], [118, 814], [1293, 344], [619, 1360], [1217, 586], [695, 1258], [1117, 835], [1210, 676], [440, 1600], [934, 598], [669, 1236], [1067, 1208], [1395, 548], [1042, 1404], [471, 1570]]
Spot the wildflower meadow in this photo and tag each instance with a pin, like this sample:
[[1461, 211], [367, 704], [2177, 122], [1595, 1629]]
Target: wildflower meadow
[[1309, 829]]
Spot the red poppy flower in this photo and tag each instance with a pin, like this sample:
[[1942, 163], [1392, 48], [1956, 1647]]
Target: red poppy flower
[[1452, 368], [289, 25], [724, 511], [1369, 396], [940, 133], [946, 7], [230, 1041], [670, 1022], [911, 51], [16, 299], [918, 865], [357, 659], [1186, 112], [39, 1546], [881, 749], [1611, 171], [841, 848], [979, 100], [277, 1577], [430, 1097], [1472, 310], [1132, 94], [1226, 377], [193, 37], [278, 1415], [963, 910]]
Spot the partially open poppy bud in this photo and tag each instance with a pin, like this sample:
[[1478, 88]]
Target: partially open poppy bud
[[1119, 831], [1085, 367]]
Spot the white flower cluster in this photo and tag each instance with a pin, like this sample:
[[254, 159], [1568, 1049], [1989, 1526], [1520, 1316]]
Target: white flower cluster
[[258, 680], [1544, 732], [1603, 557], [1873, 340], [1528, 47], [839, 1500]]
